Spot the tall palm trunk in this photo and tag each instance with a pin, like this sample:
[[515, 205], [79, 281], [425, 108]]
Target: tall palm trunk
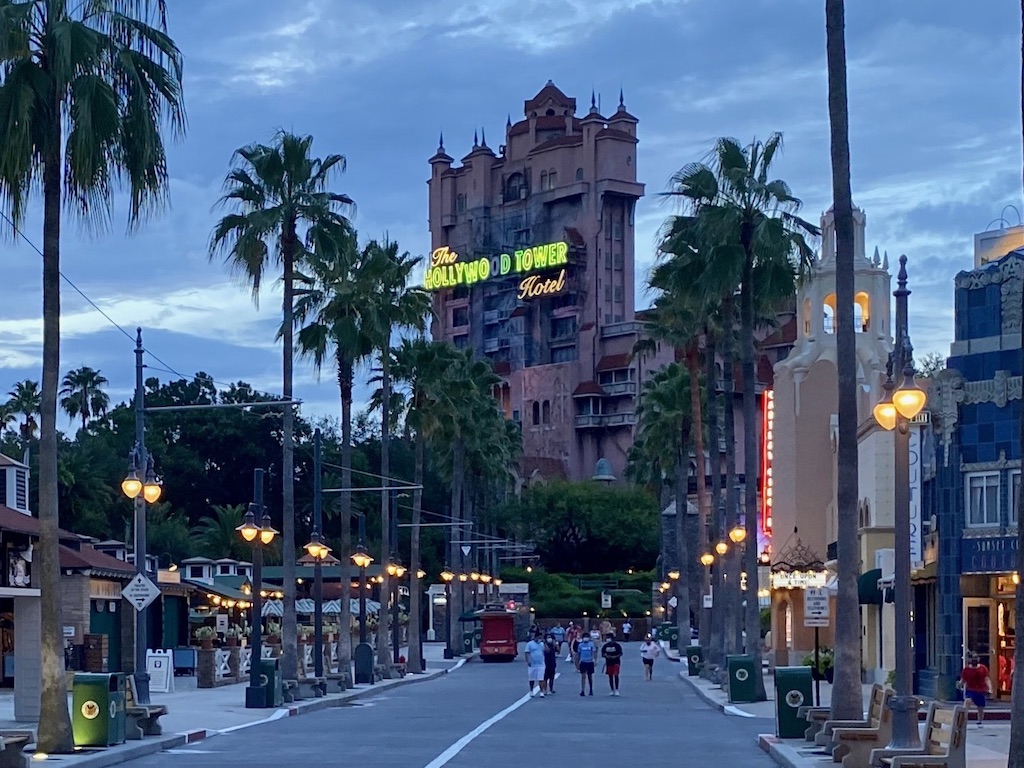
[[731, 588], [847, 700], [716, 634], [1016, 759], [697, 421], [457, 591], [345, 556], [682, 550], [54, 734], [415, 657], [289, 625], [750, 468], [386, 545]]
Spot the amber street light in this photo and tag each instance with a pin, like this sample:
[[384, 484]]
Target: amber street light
[[738, 534], [674, 574], [446, 576], [707, 559], [361, 558], [721, 548], [316, 547]]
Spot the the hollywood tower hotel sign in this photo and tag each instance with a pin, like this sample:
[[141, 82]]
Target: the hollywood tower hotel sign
[[541, 269]]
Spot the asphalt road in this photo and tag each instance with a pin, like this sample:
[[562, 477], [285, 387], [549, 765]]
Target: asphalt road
[[478, 716]]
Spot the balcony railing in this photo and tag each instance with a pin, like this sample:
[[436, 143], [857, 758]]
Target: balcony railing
[[595, 420], [621, 329], [620, 388]]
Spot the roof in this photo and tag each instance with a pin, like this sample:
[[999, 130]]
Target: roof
[[614, 362], [783, 336], [574, 236], [89, 559], [615, 133], [588, 388], [7, 461], [18, 522], [197, 561], [551, 92], [573, 140], [622, 114]]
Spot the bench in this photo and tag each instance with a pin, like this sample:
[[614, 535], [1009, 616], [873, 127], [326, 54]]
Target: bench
[[853, 746], [141, 719], [945, 743], [11, 745], [815, 717], [878, 702]]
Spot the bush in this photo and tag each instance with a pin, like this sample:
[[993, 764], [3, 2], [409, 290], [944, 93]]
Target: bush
[[556, 595]]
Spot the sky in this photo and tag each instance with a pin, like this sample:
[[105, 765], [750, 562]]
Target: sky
[[934, 129]]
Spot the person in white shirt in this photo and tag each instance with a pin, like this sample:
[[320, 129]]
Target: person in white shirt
[[535, 664], [627, 628], [649, 651]]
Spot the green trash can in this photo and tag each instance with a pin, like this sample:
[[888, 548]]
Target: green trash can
[[673, 638], [467, 642], [98, 709], [694, 658], [742, 683], [270, 680], [792, 691], [478, 636]]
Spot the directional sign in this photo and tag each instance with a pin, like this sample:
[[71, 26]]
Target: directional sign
[[466, 549], [673, 601], [816, 607], [606, 600], [140, 592]]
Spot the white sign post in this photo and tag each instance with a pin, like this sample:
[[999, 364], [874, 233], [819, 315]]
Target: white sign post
[[606, 600], [140, 592], [816, 614]]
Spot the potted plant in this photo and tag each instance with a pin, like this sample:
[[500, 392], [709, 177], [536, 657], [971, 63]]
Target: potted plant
[[273, 632], [205, 635], [304, 633], [231, 635], [826, 664]]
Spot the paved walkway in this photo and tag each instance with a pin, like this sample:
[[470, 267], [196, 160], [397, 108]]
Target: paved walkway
[[196, 714], [987, 746]]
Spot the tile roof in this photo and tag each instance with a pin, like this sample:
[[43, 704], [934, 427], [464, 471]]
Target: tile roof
[[89, 559], [614, 362], [615, 133], [574, 140], [588, 388]]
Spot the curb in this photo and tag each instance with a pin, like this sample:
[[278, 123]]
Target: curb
[[702, 694], [152, 745], [781, 753]]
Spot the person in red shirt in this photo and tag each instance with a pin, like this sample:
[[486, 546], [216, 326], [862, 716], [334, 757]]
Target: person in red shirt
[[976, 684]]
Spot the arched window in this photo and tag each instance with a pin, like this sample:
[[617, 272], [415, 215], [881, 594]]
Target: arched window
[[543, 180], [547, 412], [829, 323], [460, 203], [515, 187], [536, 412], [550, 113], [807, 317], [579, 174], [552, 179], [862, 312]]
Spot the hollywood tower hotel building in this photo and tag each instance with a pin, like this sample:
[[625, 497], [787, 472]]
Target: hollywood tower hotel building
[[532, 267]]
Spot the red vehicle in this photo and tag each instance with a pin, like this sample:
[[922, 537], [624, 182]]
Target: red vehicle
[[498, 636]]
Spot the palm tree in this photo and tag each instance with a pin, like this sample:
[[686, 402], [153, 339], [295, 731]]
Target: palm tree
[[422, 366], [281, 207], [83, 394], [746, 224], [26, 402], [398, 306], [846, 690], [216, 535], [86, 89]]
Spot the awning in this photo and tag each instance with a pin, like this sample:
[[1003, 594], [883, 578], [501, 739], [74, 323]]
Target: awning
[[868, 592]]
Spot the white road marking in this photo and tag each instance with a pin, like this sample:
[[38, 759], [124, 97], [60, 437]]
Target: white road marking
[[731, 710], [191, 751], [276, 716], [445, 757]]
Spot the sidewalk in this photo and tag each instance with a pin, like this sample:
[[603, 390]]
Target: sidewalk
[[195, 714], [987, 747]]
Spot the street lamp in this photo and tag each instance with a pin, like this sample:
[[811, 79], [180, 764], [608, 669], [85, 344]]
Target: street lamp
[[707, 559], [895, 412], [396, 571], [673, 576], [364, 653], [738, 534], [259, 536], [446, 577], [721, 548]]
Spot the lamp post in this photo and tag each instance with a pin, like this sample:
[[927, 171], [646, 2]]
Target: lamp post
[[396, 571], [485, 579], [446, 576], [475, 577], [673, 577], [142, 486], [318, 550], [895, 411], [259, 536], [361, 559]]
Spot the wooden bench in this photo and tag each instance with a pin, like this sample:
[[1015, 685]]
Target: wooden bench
[[11, 745], [141, 719], [945, 743], [853, 746], [878, 702]]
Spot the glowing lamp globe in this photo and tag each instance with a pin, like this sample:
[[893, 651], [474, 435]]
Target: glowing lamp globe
[[131, 486], [738, 534], [721, 547], [447, 575], [909, 399], [707, 559], [151, 492]]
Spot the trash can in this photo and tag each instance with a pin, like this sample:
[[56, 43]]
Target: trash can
[[792, 691], [478, 636], [673, 637], [270, 680], [742, 683], [98, 709], [694, 658], [467, 642]]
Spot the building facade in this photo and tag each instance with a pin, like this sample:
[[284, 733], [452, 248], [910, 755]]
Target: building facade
[[533, 268], [976, 405]]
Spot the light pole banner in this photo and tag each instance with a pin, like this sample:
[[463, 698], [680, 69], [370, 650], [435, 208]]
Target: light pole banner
[[916, 466]]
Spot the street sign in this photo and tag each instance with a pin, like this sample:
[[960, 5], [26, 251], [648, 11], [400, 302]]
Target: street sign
[[673, 601], [606, 600], [140, 592], [466, 549], [708, 601], [816, 607]]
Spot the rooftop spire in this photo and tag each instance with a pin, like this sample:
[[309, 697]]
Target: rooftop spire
[[483, 137], [440, 142], [476, 142], [508, 120], [622, 102], [876, 259]]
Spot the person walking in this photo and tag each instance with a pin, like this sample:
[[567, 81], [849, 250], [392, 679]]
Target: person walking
[[551, 651], [976, 685], [535, 664], [571, 633], [611, 652], [627, 629], [586, 652], [559, 634], [649, 651]]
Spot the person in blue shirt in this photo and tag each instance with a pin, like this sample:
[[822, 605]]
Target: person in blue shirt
[[559, 634], [587, 653]]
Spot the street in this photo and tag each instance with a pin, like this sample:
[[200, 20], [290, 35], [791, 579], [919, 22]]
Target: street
[[478, 715]]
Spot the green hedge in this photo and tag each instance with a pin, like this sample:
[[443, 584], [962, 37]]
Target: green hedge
[[556, 595]]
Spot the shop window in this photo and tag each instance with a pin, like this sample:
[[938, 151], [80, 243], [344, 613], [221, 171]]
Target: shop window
[[546, 412], [982, 490], [536, 412]]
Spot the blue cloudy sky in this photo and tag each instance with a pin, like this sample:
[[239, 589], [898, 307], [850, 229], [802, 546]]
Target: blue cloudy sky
[[935, 130]]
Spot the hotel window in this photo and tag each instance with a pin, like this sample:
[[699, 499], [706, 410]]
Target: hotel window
[[462, 341], [617, 230], [460, 203], [546, 412], [515, 187], [543, 180], [563, 354], [552, 179], [563, 328], [225, 570], [460, 316], [579, 174], [536, 412], [982, 498], [1014, 495]]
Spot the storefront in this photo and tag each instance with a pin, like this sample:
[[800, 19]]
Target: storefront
[[988, 586]]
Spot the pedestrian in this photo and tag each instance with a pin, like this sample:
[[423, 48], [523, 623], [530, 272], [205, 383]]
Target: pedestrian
[[535, 664], [550, 662], [649, 651], [586, 652], [570, 638], [595, 636], [574, 649], [559, 635], [611, 652], [627, 629], [976, 684]]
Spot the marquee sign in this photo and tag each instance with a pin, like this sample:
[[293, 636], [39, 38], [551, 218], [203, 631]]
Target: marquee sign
[[767, 455], [542, 267]]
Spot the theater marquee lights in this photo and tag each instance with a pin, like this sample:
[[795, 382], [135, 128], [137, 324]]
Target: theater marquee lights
[[767, 454], [448, 270]]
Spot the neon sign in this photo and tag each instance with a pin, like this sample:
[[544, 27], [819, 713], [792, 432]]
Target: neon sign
[[767, 454], [447, 270]]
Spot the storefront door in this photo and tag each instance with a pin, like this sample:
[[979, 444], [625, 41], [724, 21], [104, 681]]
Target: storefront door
[[979, 631]]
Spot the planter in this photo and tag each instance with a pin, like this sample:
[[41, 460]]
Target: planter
[[274, 639], [827, 675], [206, 643], [232, 642]]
